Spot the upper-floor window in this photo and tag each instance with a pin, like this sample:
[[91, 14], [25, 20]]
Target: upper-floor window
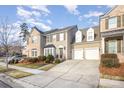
[[54, 37], [112, 22], [90, 34], [48, 39], [34, 39], [61, 36], [78, 36]]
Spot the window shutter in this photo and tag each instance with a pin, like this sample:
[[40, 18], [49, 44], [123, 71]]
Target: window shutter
[[106, 23], [50, 38], [119, 21], [118, 46], [123, 20]]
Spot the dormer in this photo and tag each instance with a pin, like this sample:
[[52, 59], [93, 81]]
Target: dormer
[[78, 36], [90, 34]]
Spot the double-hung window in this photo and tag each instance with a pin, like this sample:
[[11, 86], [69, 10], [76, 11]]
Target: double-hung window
[[34, 52], [112, 22], [90, 34], [61, 36]]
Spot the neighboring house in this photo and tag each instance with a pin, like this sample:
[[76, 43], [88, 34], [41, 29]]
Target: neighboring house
[[112, 32], [86, 44], [56, 42]]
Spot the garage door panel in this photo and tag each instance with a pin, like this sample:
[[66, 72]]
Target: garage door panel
[[78, 54], [92, 53]]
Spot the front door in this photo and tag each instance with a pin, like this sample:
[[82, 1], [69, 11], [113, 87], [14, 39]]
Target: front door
[[61, 52], [112, 46]]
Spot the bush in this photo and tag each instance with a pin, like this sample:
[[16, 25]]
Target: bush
[[49, 59], [32, 60], [42, 58], [109, 60], [57, 61]]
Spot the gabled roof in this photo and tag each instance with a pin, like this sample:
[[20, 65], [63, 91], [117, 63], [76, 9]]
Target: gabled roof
[[109, 11], [94, 27], [61, 29], [36, 30]]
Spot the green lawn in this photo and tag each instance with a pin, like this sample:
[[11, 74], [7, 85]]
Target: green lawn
[[2, 69], [1, 59], [33, 66], [18, 74], [47, 67]]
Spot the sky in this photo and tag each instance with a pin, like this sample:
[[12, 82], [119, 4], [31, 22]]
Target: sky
[[47, 17]]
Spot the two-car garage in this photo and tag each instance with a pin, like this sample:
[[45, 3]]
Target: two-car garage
[[85, 53]]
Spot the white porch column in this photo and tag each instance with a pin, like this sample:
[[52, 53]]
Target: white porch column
[[103, 45], [123, 45], [44, 52]]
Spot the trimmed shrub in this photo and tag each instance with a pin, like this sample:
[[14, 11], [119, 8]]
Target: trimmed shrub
[[108, 56], [109, 60], [49, 59], [57, 61], [41, 58], [32, 60]]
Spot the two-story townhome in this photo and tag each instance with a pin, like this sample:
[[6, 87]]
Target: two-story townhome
[[56, 42], [112, 32], [35, 43], [86, 44], [65, 43]]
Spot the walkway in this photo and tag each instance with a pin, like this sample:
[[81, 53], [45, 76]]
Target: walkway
[[29, 70]]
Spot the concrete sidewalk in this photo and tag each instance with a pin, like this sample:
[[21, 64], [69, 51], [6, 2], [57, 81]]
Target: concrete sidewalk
[[33, 71], [107, 83]]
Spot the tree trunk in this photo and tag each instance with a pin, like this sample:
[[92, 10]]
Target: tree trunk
[[7, 61]]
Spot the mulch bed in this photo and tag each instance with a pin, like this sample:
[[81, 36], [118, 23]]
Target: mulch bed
[[113, 71], [26, 62]]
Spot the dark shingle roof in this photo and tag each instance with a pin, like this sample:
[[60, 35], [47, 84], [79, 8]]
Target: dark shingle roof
[[84, 34], [38, 30], [49, 45], [61, 29]]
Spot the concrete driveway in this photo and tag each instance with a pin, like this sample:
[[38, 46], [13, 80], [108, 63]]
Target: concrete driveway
[[69, 74]]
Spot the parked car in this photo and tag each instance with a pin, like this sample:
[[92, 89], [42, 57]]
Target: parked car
[[14, 59]]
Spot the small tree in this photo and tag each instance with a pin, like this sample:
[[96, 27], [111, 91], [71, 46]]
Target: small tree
[[24, 31], [7, 37]]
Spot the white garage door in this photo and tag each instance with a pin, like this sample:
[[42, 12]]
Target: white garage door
[[92, 53], [78, 54]]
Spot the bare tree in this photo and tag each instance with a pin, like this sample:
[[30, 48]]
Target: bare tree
[[6, 37]]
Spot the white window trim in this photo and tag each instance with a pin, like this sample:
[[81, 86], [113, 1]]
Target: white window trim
[[34, 39], [61, 36], [78, 37], [90, 33], [34, 52], [54, 37], [112, 25]]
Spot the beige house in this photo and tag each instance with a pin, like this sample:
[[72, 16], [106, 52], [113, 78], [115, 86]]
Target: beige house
[[112, 32], [56, 42]]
